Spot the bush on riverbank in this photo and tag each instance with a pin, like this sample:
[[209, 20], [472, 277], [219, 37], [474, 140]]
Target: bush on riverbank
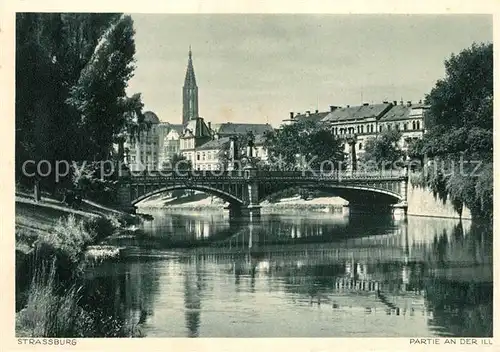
[[48, 314], [67, 242], [54, 312], [52, 306]]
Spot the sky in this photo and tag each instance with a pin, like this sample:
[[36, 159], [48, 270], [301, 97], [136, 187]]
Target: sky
[[259, 68]]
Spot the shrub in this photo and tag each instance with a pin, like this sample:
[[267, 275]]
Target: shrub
[[48, 314]]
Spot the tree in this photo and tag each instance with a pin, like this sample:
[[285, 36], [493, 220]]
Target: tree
[[180, 163], [52, 49], [460, 130], [383, 151], [304, 142], [99, 95]]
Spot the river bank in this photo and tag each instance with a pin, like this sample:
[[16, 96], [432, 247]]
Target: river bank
[[54, 244]]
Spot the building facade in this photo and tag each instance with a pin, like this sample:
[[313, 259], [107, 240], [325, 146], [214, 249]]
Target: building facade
[[141, 149], [358, 124], [197, 141]]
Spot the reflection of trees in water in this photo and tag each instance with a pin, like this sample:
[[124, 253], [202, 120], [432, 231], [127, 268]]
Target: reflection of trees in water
[[462, 308], [120, 296], [193, 285], [456, 246], [463, 303]]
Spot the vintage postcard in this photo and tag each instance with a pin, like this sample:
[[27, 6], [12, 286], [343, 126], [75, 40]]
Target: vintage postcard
[[316, 174]]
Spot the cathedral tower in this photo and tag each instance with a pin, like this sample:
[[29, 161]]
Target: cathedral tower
[[189, 93]]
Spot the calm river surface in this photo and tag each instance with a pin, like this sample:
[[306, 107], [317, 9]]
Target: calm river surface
[[300, 275]]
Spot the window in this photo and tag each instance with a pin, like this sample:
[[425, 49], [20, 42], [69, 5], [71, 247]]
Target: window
[[405, 126], [197, 156], [360, 146], [418, 125], [380, 128], [414, 125], [203, 156], [388, 127]]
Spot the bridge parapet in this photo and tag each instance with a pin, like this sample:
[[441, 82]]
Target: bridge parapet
[[267, 175]]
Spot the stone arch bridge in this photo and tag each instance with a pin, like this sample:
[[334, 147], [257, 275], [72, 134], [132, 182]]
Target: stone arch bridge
[[245, 189]]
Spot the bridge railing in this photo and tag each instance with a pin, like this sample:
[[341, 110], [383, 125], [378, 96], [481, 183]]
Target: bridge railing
[[268, 174], [169, 174], [335, 175]]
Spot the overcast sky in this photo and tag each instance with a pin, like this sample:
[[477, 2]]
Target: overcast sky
[[258, 68]]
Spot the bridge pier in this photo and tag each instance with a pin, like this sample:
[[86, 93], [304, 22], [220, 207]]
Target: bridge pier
[[124, 199], [400, 211], [365, 209], [345, 210], [249, 212]]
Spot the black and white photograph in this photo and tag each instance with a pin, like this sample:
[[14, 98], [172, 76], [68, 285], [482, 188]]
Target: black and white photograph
[[253, 175]]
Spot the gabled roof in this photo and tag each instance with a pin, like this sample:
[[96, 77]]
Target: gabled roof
[[230, 128], [197, 127], [357, 112], [214, 144]]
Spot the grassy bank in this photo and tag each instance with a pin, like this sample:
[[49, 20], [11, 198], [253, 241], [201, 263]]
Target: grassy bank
[[52, 249]]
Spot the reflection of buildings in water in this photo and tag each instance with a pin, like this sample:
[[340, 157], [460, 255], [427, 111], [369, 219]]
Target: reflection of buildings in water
[[192, 303]]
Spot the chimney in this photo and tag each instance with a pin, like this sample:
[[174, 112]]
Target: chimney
[[365, 104], [401, 102], [333, 108], [395, 102], [420, 101], [385, 102], [348, 106], [209, 125], [291, 115], [308, 112], [317, 111], [408, 102]]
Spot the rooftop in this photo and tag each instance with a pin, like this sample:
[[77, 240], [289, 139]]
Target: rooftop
[[214, 144], [315, 116], [197, 127], [358, 112], [229, 128]]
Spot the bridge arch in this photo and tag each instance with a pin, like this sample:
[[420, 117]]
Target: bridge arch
[[227, 197], [355, 194]]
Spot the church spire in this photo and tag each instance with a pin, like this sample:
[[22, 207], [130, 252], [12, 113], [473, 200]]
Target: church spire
[[189, 92]]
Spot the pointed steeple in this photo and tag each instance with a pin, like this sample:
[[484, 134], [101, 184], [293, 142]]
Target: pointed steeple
[[189, 92], [190, 80]]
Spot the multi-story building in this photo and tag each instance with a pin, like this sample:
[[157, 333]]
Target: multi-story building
[[194, 139], [170, 145], [142, 148], [357, 124], [202, 143], [209, 155]]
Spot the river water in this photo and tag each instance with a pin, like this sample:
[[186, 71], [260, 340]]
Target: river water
[[304, 274]]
